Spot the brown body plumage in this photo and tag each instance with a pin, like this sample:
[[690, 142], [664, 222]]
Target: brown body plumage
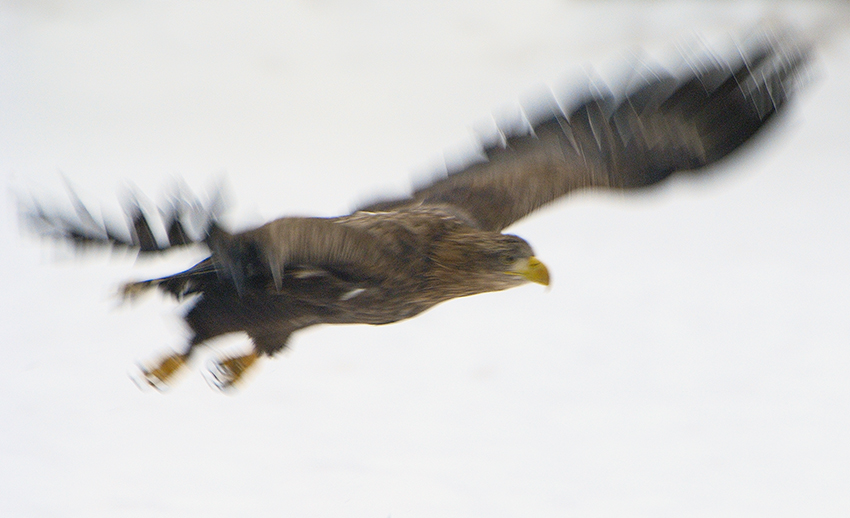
[[394, 259]]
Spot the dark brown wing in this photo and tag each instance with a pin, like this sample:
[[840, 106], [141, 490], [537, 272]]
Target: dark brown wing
[[668, 124], [265, 256], [319, 244], [258, 257], [183, 220]]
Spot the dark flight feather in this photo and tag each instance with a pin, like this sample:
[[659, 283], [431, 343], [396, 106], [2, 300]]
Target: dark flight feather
[[668, 124]]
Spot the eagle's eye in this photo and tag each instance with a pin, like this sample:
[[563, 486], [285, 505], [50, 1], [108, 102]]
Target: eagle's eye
[[509, 258]]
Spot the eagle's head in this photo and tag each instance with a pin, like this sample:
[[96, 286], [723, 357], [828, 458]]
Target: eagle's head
[[479, 262]]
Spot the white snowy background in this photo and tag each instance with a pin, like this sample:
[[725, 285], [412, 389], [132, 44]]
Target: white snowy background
[[691, 359]]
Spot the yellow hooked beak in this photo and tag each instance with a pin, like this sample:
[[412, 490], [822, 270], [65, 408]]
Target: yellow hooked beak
[[532, 270]]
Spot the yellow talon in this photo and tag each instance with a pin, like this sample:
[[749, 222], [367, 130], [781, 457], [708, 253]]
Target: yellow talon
[[229, 371], [159, 376]]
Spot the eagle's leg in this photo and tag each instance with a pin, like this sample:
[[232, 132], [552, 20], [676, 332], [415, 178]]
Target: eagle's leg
[[162, 373], [227, 372]]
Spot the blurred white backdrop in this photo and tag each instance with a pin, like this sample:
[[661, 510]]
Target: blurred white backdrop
[[691, 358]]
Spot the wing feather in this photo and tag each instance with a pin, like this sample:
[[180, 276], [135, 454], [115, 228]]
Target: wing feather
[[274, 250], [185, 221], [665, 125]]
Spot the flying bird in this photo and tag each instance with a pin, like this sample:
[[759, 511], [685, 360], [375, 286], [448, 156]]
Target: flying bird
[[393, 259]]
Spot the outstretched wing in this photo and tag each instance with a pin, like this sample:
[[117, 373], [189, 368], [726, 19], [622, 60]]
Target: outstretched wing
[[258, 257], [309, 245], [666, 125], [182, 220]]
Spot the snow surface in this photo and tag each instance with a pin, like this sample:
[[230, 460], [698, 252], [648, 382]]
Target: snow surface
[[691, 359]]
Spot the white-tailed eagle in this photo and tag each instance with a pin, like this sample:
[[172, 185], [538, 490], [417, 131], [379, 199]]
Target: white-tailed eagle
[[393, 259]]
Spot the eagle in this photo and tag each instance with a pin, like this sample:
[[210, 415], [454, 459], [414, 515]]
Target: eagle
[[393, 259]]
